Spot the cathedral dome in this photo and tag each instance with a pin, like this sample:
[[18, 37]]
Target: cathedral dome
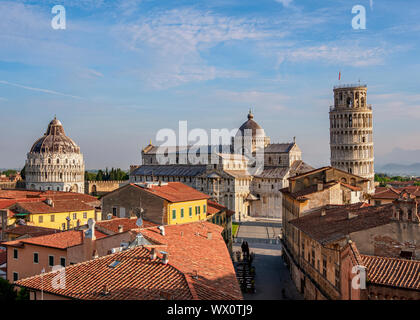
[[250, 125], [55, 140]]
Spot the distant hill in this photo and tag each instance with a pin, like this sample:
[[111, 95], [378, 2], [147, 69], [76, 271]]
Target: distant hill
[[399, 169]]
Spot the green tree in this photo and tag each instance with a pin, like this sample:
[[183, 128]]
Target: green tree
[[6, 291], [23, 294]]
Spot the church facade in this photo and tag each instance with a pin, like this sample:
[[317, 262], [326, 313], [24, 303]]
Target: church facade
[[230, 179], [55, 162]]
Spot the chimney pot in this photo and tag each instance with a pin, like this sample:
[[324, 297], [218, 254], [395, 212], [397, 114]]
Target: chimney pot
[[323, 212], [120, 229], [162, 230], [209, 235], [153, 254], [165, 257]]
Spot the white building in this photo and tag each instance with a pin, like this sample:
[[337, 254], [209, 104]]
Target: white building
[[55, 162], [229, 181]]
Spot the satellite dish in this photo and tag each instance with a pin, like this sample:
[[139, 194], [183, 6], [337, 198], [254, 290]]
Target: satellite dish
[[139, 222], [68, 218]]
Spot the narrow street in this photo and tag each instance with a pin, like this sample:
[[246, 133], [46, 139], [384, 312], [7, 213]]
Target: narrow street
[[272, 279]]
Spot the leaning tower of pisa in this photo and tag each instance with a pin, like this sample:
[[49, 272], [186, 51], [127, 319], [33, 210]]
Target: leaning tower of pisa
[[351, 133]]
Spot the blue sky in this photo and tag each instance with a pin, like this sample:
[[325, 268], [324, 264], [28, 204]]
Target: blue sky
[[122, 70]]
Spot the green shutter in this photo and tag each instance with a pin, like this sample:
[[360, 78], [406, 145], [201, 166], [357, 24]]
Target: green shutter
[[182, 212], [174, 214], [190, 209]]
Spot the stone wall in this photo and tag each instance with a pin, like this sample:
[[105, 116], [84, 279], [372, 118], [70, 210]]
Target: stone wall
[[128, 201], [99, 188]]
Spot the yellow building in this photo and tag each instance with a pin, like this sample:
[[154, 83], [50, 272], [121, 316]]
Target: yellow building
[[60, 214], [161, 203]]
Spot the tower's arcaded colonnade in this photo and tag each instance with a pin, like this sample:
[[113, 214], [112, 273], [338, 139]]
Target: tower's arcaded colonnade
[[351, 132], [55, 162]]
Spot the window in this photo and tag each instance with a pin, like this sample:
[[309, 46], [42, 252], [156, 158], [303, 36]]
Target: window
[[15, 254], [84, 215], [40, 219], [337, 277], [409, 215], [174, 214], [51, 261], [204, 209], [114, 211], [52, 218], [15, 276], [36, 257], [74, 216], [182, 212], [63, 261], [313, 258], [303, 249], [190, 211], [63, 226], [324, 267]]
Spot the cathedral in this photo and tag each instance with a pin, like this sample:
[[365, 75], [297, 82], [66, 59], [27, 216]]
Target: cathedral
[[229, 181], [55, 162]]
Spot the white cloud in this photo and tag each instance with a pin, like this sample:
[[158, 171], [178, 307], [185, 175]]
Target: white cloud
[[255, 99], [39, 89], [335, 53], [285, 3], [172, 42]]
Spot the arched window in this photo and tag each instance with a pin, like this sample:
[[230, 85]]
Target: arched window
[[409, 215], [58, 161]]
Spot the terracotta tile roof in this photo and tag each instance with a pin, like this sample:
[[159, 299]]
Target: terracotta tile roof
[[7, 203], [62, 205], [136, 277], [325, 169], [127, 223], [33, 231], [175, 192], [190, 250], [393, 193], [354, 188], [336, 223], [301, 194], [214, 207], [392, 271], [60, 240]]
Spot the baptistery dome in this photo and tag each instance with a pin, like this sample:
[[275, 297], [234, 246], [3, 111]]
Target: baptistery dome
[[55, 140], [55, 162]]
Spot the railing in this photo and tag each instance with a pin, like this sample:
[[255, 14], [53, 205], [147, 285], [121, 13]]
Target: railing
[[350, 85]]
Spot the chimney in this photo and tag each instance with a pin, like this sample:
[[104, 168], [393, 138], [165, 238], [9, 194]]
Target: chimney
[[323, 212], [195, 274], [105, 290], [320, 186], [120, 229], [351, 215], [95, 254], [162, 230], [153, 254], [50, 202], [90, 233], [209, 235], [165, 257]]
